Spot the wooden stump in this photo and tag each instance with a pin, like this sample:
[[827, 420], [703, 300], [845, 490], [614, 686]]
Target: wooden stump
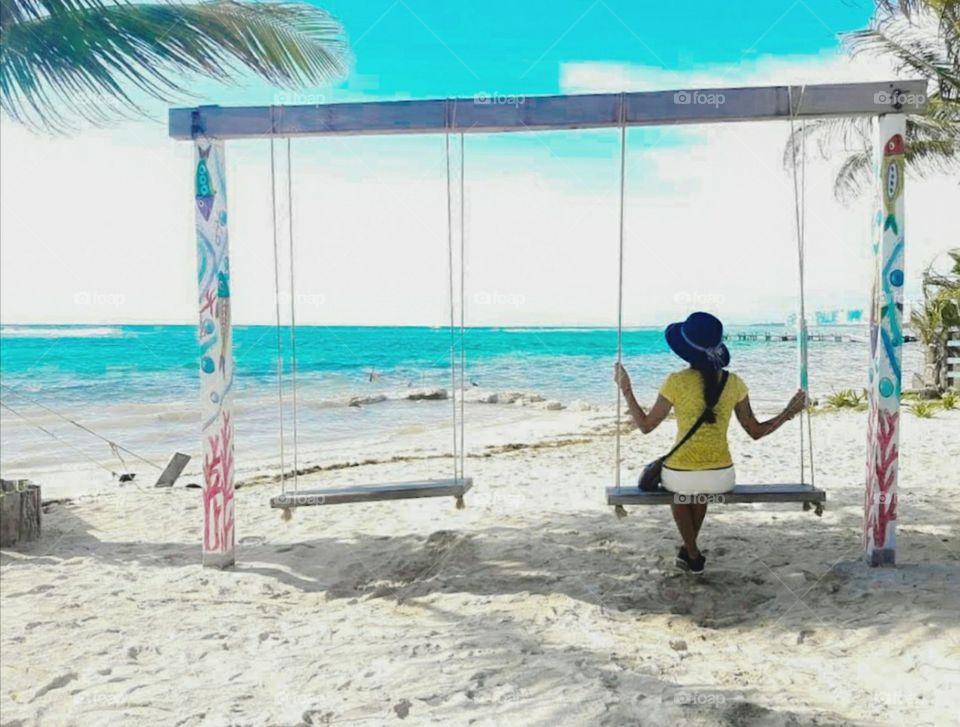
[[19, 512]]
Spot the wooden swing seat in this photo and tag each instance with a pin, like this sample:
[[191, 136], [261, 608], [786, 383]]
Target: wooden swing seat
[[633, 495], [373, 493]]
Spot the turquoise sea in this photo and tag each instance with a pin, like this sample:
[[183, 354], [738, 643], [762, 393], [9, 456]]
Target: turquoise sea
[[139, 384]]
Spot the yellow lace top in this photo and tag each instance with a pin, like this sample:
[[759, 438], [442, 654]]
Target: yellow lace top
[[708, 448]]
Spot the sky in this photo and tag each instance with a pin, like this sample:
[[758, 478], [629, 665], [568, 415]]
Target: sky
[[98, 227]]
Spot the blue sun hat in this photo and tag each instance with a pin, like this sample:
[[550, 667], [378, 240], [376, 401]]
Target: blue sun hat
[[699, 341]]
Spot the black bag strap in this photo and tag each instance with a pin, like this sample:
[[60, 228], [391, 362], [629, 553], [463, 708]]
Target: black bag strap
[[699, 423]]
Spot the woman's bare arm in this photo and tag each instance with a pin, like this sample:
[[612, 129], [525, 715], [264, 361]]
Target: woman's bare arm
[[758, 429], [646, 421]]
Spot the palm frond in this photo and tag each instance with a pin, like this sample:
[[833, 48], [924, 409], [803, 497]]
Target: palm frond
[[943, 113], [827, 136], [67, 59], [854, 176], [945, 13], [918, 39], [910, 52], [908, 8], [930, 148]]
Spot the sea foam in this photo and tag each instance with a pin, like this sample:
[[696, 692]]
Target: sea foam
[[60, 332]]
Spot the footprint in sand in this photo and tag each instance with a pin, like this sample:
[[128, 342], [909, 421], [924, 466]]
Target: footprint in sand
[[33, 591], [316, 717], [402, 708], [58, 683]]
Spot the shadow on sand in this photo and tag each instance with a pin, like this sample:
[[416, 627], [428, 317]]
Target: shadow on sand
[[808, 574], [801, 578]]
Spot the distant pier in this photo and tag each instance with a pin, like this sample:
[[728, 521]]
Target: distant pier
[[831, 337]]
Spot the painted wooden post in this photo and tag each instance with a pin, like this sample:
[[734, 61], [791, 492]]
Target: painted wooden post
[[216, 352], [886, 340]]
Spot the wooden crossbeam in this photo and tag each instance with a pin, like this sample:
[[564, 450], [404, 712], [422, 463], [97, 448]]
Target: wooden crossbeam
[[487, 114]]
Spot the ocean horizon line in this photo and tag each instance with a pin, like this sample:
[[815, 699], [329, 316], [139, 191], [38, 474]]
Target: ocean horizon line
[[421, 326]]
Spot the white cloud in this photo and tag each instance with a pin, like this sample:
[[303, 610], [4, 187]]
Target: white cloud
[[827, 67], [709, 222], [726, 188]]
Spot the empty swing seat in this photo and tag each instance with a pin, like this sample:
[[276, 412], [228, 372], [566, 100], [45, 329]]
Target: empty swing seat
[[633, 495], [373, 493]]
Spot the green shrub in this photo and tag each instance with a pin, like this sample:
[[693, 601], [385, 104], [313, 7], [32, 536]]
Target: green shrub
[[949, 400], [922, 409], [847, 399], [839, 399]]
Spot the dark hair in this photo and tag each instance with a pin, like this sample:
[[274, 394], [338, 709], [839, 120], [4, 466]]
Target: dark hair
[[711, 391]]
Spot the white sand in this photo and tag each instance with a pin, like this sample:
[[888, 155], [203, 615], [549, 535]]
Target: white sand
[[535, 605]]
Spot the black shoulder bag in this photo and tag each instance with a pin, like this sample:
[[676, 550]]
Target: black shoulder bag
[[650, 477]]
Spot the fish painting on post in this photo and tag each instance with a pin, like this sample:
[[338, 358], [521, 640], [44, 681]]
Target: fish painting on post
[[204, 188], [892, 170]]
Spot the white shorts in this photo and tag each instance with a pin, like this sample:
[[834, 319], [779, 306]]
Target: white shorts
[[698, 482]]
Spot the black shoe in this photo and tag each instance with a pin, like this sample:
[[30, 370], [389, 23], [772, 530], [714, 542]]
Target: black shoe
[[697, 565], [683, 559]]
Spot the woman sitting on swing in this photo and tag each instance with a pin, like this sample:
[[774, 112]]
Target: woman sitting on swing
[[701, 465]]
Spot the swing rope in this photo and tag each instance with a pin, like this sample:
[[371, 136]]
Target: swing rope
[[293, 321], [114, 446], [276, 295], [453, 335], [623, 162], [799, 198], [803, 208], [463, 280], [59, 439], [800, 205], [459, 463]]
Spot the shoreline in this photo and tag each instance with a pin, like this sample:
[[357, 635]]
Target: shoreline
[[520, 422]]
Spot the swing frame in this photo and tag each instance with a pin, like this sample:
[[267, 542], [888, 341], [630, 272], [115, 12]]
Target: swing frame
[[209, 127]]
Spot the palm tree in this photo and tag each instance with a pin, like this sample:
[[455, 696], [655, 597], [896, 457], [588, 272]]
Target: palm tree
[[65, 61], [922, 37], [937, 316]]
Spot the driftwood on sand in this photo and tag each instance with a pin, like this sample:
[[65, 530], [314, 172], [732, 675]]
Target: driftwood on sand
[[20, 512]]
